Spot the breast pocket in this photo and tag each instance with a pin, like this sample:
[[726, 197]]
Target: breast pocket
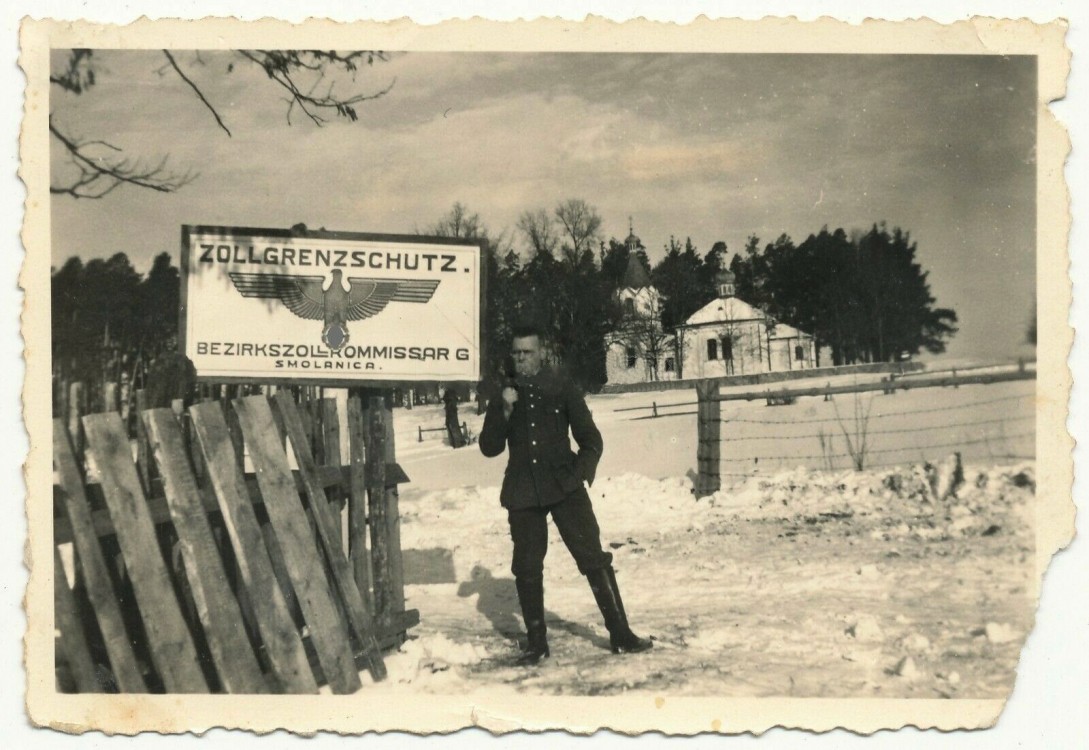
[[559, 420]]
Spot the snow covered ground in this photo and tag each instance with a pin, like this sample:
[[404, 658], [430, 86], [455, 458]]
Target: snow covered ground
[[795, 579]]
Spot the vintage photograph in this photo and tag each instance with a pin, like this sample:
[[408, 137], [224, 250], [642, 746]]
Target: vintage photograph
[[607, 373]]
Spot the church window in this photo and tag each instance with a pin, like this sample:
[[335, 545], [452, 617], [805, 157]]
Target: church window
[[670, 365], [728, 348], [631, 357], [799, 353], [629, 306], [712, 349]]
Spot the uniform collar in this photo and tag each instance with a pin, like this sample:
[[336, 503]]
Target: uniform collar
[[544, 378]]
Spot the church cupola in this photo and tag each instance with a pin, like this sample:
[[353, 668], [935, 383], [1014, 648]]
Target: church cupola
[[725, 281], [632, 242]]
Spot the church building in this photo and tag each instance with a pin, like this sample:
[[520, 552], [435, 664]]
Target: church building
[[728, 336], [639, 350]]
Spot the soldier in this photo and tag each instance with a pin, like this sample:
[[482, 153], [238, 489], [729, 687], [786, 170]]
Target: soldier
[[532, 416]]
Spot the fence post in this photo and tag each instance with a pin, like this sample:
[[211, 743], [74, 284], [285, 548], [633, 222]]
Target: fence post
[[75, 412], [421, 433], [654, 405], [393, 517], [707, 450], [109, 397], [357, 504], [125, 394], [330, 427], [376, 490], [60, 398]]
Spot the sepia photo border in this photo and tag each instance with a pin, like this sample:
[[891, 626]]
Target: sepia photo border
[[502, 712]]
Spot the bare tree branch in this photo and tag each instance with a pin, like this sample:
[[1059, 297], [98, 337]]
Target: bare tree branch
[[199, 93], [99, 176], [538, 228], [582, 225], [300, 73], [79, 75], [281, 67]]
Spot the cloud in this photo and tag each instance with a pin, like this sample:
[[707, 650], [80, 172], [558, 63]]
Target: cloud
[[678, 161]]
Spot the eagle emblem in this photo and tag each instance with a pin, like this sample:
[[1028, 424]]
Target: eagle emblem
[[310, 298]]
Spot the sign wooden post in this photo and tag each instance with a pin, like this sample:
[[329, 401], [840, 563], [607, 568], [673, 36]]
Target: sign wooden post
[[358, 549], [393, 518], [376, 492]]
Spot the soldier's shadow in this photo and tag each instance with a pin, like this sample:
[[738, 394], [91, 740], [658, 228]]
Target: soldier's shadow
[[497, 599]]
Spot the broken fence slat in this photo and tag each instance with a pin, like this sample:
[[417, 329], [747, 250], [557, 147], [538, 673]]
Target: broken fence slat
[[96, 574], [72, 641], [299, 548], [171, 644], [217, 607], [359, 618], [282, 642]]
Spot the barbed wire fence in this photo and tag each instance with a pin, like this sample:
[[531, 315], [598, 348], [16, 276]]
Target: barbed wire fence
[[746, 444]]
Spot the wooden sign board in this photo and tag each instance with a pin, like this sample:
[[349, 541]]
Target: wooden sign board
[[330, 308]]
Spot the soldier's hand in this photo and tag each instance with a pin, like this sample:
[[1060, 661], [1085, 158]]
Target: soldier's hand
[[510, 396]]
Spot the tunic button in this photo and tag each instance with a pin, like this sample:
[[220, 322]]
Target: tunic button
[[532, 424], [534, 460], [534, 442]]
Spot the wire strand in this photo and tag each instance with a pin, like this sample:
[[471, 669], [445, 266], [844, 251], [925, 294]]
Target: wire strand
[[903, 449], [930, 428]]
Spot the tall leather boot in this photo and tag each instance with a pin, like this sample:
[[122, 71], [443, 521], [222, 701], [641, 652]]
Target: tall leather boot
[[621, 639], [531, 597]]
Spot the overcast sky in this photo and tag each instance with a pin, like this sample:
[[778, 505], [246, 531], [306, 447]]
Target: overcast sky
[[715, 147]]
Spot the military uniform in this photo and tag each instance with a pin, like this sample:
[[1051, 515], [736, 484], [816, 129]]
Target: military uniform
[[542, 470], [545, 477]]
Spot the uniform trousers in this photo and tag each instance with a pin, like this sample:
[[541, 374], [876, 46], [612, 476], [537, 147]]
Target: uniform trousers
[[577, 524]]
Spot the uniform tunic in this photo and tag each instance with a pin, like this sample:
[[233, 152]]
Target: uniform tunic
[[544, 476], [542, 470]]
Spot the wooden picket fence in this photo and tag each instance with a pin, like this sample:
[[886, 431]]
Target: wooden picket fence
[[202, 562]]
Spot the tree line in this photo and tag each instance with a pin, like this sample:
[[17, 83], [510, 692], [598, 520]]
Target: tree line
[[109, 322], [864, 296]]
